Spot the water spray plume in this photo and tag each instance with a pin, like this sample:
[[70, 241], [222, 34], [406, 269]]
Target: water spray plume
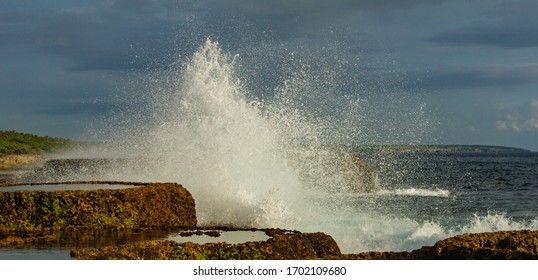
[[247, 163], [281, 162]]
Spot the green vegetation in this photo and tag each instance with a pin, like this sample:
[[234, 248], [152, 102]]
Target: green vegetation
[[16, 143]]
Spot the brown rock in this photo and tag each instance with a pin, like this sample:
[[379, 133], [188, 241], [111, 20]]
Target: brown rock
[[147, 205], [350, 174], [377, 256], [484, 246], [283, 245], [323, 244], [504, 245], [364, 176]]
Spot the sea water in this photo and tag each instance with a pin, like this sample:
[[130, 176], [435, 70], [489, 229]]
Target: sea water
[[280, 161], [432, 196]]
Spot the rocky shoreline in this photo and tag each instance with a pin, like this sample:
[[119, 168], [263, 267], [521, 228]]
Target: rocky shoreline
[[283, 245], [134, 223], [36, 218]]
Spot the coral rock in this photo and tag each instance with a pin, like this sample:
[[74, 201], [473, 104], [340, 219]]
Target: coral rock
[[147, 205]]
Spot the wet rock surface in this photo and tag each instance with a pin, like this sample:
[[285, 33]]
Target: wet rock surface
[[488, 245], [283, 245], [199, 232]]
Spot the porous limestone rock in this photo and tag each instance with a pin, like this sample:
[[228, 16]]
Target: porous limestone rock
[[145, 205]]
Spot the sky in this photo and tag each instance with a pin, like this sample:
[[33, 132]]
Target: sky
[[471, 66]]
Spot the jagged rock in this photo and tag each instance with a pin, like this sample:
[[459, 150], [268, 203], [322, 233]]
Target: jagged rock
[[344, 174], [503, 245], [323, 244], [147, 205], [364, 176]]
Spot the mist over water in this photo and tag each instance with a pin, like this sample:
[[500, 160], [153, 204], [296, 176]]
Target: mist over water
[[283, 161], [248, 163]]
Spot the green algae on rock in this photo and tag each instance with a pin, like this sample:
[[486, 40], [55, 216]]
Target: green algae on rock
[[283, 245], [148, 205]]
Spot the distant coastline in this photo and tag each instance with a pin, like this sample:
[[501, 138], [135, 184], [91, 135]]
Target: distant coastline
[[442, 149], [18, 149]]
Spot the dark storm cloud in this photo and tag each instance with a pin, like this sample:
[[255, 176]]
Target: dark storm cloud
[[75, 108], [101, 36], [122, 34], [467, 78], [95, 42], [509, 37], [315, 7], [317, 19], [14, 28], [508, 25]]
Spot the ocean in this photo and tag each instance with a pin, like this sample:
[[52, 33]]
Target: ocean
[[468, 184], [431, 196]]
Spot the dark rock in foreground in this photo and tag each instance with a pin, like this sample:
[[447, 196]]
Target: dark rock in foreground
[[502, 245], [147, 205], [283, 245]]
